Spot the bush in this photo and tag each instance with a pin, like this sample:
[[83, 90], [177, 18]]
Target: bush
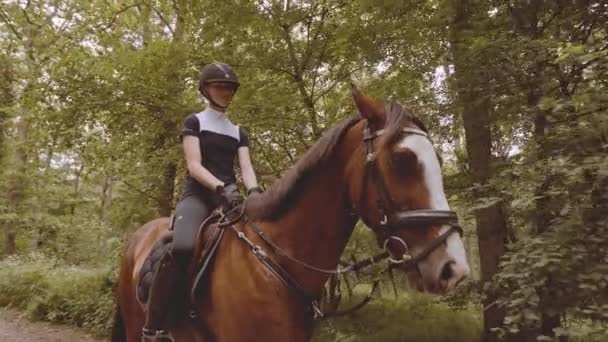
[[59, 294], [19, 283], [408, 317], [51, 291]]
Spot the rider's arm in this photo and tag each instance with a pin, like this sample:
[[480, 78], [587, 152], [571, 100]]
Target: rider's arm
[[192, 152], [247, 172]]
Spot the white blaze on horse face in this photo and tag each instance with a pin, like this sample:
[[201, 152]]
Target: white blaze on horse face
[[432, 171], [433, 178]]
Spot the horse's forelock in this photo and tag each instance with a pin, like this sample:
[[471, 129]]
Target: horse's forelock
[[397, 117]]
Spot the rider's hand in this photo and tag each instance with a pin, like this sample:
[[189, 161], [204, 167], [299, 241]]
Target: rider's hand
[[230, 196]]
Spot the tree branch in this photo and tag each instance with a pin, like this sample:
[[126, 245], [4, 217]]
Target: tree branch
[[27, 18], [335, 83], [299, 80], [164, 20], [138, 190], [6, 20], [319, 60], [124, 9], [309, 46], [265, 67]]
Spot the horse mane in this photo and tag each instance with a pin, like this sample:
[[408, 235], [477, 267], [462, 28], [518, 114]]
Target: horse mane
[[273, 202], [396, 117]]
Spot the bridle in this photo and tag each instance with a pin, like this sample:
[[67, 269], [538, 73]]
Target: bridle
[[389, 223]]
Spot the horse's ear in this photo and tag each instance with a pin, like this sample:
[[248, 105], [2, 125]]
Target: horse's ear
[[370, 108]]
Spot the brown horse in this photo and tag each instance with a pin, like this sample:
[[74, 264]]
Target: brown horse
[[379, 167]]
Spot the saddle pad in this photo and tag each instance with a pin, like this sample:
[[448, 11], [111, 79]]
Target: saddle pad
[[151, 264], [209, 236]]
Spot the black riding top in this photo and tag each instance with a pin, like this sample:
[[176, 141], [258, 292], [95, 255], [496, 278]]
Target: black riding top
[[219, 140]]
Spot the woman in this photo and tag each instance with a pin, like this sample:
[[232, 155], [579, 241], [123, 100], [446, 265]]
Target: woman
[[211, 143]]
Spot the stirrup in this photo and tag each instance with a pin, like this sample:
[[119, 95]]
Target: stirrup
[[148, 335]]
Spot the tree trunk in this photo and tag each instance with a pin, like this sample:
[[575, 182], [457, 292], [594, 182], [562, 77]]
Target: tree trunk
[[165, 206], [6, 99], [475, 108], [9, 244], [544, 214], [76, 193], [3, 129], [106, 198], [16, 185], [41, 200]]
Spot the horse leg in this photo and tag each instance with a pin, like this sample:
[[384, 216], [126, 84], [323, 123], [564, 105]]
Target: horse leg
[[130, 309], [119, 332]]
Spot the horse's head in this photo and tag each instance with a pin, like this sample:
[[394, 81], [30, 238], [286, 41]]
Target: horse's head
[[396, 188]]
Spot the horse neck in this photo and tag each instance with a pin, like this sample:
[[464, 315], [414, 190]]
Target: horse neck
[[318, 226]]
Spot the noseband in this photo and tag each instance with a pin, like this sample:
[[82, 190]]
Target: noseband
[[392, 221]]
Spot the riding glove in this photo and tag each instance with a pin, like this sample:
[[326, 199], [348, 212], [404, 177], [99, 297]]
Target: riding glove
[[230, 196]]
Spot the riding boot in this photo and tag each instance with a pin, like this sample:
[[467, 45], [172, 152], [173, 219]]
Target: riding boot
[[161, 293]]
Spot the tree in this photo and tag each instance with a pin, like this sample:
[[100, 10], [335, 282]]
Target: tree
[[475, 107]]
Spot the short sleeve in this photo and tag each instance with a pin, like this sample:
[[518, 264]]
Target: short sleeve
[[191, 126], [244, 138]]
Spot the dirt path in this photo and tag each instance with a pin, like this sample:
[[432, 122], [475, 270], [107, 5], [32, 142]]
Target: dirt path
[[14, 328]]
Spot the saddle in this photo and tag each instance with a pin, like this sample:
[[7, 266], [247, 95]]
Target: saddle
[[208, 239]]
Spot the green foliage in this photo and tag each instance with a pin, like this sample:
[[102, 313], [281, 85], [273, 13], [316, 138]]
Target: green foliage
[[92, 95], [49, 291], [562, 271], [408, 317]]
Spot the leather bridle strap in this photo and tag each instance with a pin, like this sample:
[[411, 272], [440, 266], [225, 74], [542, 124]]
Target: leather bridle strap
[[431, 247], [371, 169], [280, 273], [423, 217]]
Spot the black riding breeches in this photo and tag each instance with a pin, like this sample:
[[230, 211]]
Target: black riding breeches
[[189, 214]]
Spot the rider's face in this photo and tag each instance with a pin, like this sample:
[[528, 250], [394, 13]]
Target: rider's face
[[221, 93]]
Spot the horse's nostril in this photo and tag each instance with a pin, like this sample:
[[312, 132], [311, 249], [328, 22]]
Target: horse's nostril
[[447, 272]]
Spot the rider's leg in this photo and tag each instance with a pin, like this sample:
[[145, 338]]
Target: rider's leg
[[189, 215], [190, 212]]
